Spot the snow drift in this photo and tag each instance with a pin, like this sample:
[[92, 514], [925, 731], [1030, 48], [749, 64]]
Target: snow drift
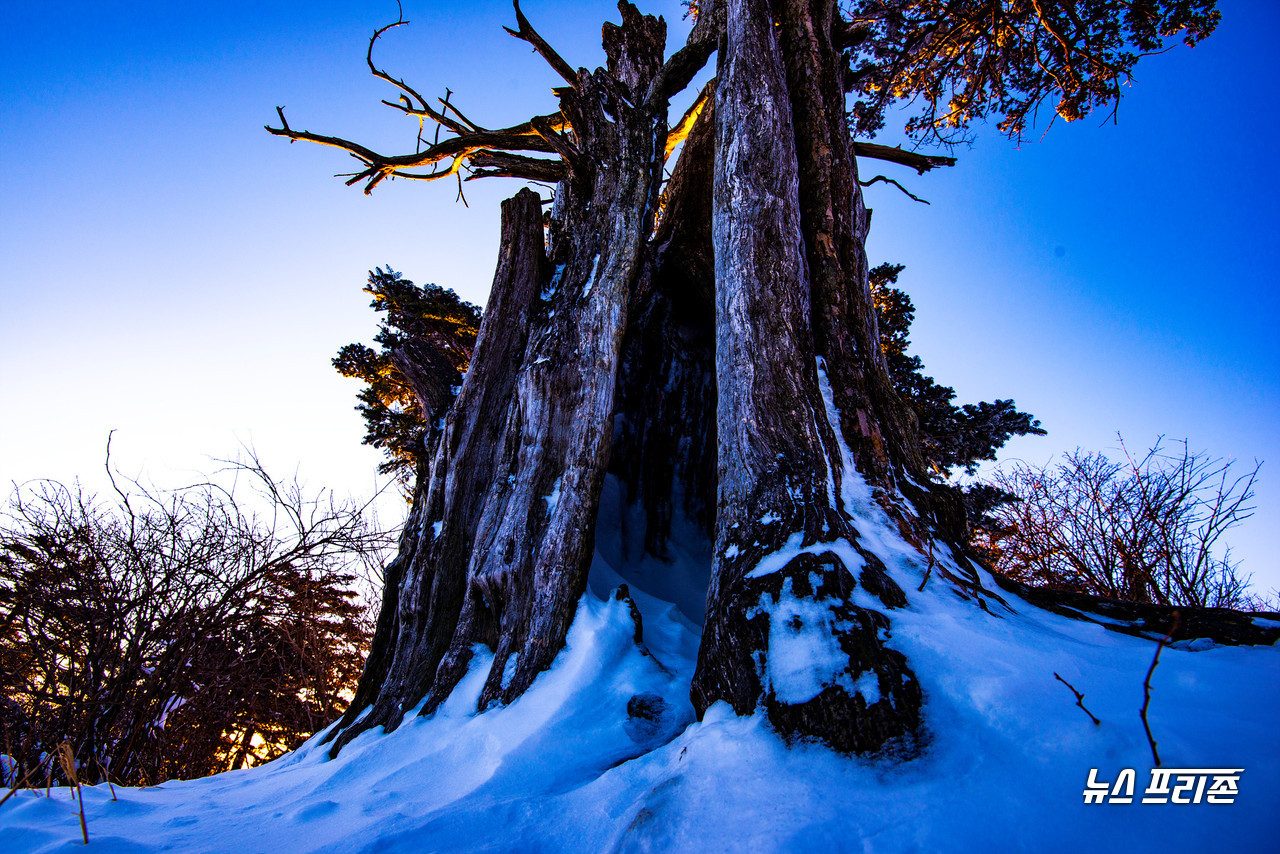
[[603, 752]]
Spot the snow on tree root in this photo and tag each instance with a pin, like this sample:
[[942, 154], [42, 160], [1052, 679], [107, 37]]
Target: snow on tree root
[[814, 660]]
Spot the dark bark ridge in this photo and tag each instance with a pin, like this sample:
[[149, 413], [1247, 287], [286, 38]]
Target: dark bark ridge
[[1153, 621]]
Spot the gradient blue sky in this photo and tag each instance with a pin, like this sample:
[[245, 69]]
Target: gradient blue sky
[[169, 270]]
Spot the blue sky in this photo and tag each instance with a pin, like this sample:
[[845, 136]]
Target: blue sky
[[169, 270]]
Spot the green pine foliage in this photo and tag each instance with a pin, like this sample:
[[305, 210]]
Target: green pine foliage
[[949, 64], [953, 437], [411, 315]]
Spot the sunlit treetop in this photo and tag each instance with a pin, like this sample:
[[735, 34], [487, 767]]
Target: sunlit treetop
[[957, 61]]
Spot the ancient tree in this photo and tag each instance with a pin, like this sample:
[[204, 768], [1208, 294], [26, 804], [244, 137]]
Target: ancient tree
[[710, 340]]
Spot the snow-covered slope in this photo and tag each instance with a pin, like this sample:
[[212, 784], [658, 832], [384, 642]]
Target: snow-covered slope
[[566, 768]]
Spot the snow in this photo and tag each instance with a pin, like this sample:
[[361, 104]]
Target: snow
[[775, 561], [553, 499], [1007, 753], [8, 771], [595, 273], [804, 652], [554, 285], [509, 669], [868, 685], [171, 705]]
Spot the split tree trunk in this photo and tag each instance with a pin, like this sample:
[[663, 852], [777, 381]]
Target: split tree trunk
[[665, 447], [736, 349], [499, 542]]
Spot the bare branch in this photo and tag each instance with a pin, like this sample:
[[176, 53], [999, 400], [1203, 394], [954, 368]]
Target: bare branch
[[452, 108], [1146, 686], [559, 144], [378, 72], [500, 164], [922, 163], [522, 137], [446, 158], [879, 178], [528, 34], [1079, 700], [117, 626], [1148, 529], [677, 71], [846, 34]]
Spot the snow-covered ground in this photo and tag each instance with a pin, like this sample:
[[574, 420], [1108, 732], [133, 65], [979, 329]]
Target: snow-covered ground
[[565, 768]]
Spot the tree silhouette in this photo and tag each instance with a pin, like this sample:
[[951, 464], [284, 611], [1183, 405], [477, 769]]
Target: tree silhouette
[[174, 634]]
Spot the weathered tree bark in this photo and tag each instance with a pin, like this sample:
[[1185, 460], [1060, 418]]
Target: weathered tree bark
[[785, 546], [534, 542], [425, 584], [735, 349], [498, 544]]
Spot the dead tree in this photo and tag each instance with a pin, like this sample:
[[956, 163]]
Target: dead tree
[[725, 325], [501, 535]]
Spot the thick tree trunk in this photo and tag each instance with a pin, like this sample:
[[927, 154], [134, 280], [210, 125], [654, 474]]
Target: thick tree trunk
[[425, 583], [782, 628], [725, 367], [498, 544]]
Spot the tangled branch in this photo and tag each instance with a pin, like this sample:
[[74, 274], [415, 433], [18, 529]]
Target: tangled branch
[[473, 148], [481, 152]]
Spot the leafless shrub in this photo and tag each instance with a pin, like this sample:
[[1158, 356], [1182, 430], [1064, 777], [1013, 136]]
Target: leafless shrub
[[1143, 529], [178, 633]]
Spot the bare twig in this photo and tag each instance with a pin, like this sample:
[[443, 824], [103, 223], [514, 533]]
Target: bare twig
[[929, 571], [527, 33], [1146, 686], [454, 150], [123, 497], [1146, 527], [879, 178], [106, 775], [1079, 699]]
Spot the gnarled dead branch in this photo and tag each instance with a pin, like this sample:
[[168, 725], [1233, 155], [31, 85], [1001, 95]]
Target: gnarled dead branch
[[472, 147], [527, 33], [922, 163], [880, 178], [486, 153]]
